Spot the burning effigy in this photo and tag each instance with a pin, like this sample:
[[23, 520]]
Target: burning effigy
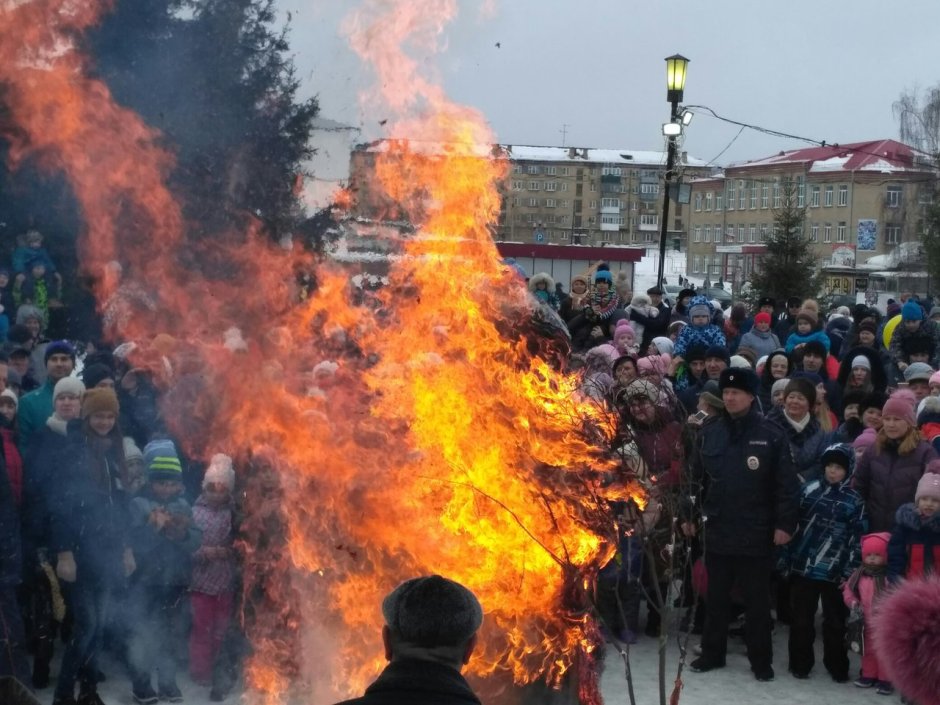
[[422, 434]]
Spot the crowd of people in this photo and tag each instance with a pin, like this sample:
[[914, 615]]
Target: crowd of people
[[793, 455], [797, 452], [102, 549]]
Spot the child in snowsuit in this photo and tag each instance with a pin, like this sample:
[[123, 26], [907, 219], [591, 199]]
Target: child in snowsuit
[[807, 329], [213, 581], [164, 540], [914, 550], [863, 589], [825, 551], [701, 331], [542, 287]]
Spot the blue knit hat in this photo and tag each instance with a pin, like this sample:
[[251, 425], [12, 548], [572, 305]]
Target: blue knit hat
[[603, 275], [911, 311], [162, 461], [59, 347]]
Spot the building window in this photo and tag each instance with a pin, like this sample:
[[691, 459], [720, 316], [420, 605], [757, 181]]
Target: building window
[[828, 197], [550, 203], [763, 232], [593, 187], [533, 202], [697, 263], [562, 204], [752, 234], [517, 169], [730, 194], [698, 202], [565, 172], [827, 233], [551, 170], [841, 231], [633, 205], [765, 196], [740, 233], [535, 185], [563, 234], [534, 169], [893, 199], [708, 201], [593, 204], [729, 233], [518, 185], [564, 186], [776, 194], [610, 171], [719, 201], [654, 189], [649, 220], [814, 197], [708, 233], [753, 195], [800, 192], [893, 234], [697, 234], [551, 185], [814, 232], [843, 195], [742, 195], [648, 238]]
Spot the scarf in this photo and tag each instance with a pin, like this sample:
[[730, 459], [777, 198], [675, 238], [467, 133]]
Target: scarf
[[879, 573], [798, 426], [57, 425]]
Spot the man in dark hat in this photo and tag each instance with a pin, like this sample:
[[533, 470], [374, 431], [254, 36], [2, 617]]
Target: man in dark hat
[[680, 311], [787, 320], [429, 635], [741, 469], [766, 304], [653, 326]]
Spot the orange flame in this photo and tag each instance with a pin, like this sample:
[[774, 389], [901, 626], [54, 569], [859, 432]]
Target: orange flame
[[422, 437]]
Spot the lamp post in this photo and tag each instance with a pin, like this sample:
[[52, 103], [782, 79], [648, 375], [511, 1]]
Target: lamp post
[[676, 66]]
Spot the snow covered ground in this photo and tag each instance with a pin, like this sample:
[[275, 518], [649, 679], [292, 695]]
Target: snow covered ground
[[732, 684]]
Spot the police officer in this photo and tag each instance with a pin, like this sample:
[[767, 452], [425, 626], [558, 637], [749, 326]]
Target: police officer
[[749, 492]]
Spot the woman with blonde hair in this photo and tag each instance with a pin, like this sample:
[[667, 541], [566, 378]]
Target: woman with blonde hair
[[887, 475]]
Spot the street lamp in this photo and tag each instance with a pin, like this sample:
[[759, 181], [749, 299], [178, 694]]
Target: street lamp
[[676, 69]]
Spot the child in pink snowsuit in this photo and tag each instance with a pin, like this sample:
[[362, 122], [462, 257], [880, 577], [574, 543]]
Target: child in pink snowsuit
[[213, 580], [865, 586]]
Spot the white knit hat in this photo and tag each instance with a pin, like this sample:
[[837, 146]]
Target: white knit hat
[[220, 470], [131, 451], [10, 394]]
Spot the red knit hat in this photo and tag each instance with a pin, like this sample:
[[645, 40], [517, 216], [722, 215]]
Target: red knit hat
[[901, 408], [876, 543], [762, 318]]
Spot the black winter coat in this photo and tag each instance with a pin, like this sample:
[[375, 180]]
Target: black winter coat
[[806, 446], [749, 484], [87, 518], [412, 682]]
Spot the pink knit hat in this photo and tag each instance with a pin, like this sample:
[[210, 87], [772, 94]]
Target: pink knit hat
[[876, 543], [866, 439], [901, 407], [657, 364], [934, 379], [929, 486]]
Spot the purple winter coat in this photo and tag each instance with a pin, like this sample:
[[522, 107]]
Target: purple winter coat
[[886, 480]]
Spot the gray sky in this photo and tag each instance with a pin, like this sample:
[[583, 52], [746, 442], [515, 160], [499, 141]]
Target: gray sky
[[821, 69]]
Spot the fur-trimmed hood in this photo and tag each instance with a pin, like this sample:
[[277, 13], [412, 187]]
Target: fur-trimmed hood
[[878, 380], [542, 277], [907, 515]]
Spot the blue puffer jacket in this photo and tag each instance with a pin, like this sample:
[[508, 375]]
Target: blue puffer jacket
[[827, 546], [706, 336], [797, 339]]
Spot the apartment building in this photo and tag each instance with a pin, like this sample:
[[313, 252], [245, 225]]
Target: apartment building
[[862, 200], [563, 195], [574, 195]]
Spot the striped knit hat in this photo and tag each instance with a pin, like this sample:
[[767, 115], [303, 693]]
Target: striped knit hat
[[162, 461]]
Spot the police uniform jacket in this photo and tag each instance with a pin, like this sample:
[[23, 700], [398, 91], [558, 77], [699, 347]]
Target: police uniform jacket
[[748, 484]]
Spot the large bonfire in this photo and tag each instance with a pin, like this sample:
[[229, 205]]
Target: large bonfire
[[421, 435]]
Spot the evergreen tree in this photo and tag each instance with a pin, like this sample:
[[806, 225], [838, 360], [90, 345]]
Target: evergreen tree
[[789, 267], [216, 78]]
